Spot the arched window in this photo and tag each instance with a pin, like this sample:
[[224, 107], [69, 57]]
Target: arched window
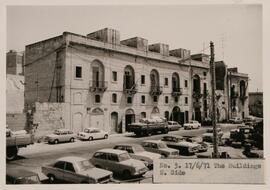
[[175, 82], [97, 69], [129, 77]]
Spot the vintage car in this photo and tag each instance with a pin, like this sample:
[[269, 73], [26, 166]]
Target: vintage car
[[60, 135], [179, 143], [208, 136], [202, 146], [192, 125], [119, 162], [236, 120], [137, 152], [157, 146], [92, 133], [75, 170], [173, 125], [21, 176]]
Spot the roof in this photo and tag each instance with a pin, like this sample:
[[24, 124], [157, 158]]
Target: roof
[[152, 141], [110, 150], [71, 159], [62, 130], [17, 173], [175, 136], [128, 144]]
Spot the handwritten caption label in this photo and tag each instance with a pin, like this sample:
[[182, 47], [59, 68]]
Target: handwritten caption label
[[248, 171]]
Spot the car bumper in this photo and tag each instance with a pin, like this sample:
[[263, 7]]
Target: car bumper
[[140, 172]]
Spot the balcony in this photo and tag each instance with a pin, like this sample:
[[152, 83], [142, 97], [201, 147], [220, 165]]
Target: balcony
[[234, 95], [98, 86], [243, 97], [197, 95], [177, 92], [156, 90], [197, 104], [130, 90]]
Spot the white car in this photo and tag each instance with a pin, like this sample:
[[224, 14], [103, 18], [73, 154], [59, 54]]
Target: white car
[[92, 133], [192, 125], [137, 152], [60, 135], [173, 126]]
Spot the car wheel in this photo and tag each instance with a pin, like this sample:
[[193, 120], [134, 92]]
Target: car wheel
[[52, 178], [72, 140], [105, 136], [56, 141], [90, 138], [126, 174]]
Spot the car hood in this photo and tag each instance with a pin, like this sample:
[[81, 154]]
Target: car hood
[[134, 163], [188, 144], [148, 154], [95, 173]]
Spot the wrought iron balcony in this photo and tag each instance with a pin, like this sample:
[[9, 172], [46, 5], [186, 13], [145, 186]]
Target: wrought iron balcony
[[177, 92], [234, 95], [197, 95], [131, 90], [156, 90], [98, 86]]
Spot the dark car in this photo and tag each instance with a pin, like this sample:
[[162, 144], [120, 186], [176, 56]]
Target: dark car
[[20, 176]]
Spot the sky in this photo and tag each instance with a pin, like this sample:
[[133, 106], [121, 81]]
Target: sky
[[236, 30]]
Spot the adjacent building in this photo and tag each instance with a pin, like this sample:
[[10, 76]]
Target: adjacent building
[[256, 103], [15, 61], [107, 82]]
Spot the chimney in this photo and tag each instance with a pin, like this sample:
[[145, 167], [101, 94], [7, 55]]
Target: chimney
[[180, 52], [106, 35], [163, 49], [136, 42]]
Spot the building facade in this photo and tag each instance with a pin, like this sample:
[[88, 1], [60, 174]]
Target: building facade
[[256, 103], [14, 63], [108, 83]]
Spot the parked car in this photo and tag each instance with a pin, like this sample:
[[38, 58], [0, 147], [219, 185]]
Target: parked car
[[76, 170], [60, 135], [179, 143], [208, 135], [157, 146], [192, 125], [137, 152], [92, 133], [173, 125], [119, 162], [21, 176], [236, 120], [202, 146]]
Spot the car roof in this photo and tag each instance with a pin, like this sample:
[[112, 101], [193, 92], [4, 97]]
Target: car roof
[[174, 136], [92, 128], [19, 173], [62, 130], [152, 141], [128, 144], [71, 159], [110, 150]]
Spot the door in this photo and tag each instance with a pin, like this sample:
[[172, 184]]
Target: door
[[129, 119], [114, 122], [95, 76], [198, 115], [59, 170], [70, 174]]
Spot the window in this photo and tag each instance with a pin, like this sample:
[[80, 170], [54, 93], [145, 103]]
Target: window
[[186, 83], [166, 82], [186, 100], [100, 155], [114, 76], [78, 72], [114, 98], [166, 99], [113, 157], [176, 99], [69, 167], [142, 79], [204, 74], [59, 165], [143, 99], [155, 98], [97, 98], [129, 100]]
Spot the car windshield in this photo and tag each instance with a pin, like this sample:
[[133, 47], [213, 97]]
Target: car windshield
[[56, 132], [138, 149], [85, 165], [162, 145], [86, 131], [123, 157], [28, 180]]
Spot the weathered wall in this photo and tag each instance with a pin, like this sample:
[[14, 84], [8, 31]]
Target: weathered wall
[[256, 103], [50, 116], [16, 121]]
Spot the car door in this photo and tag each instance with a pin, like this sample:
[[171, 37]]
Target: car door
[[58, 170], [70, 173], [154, 148], [100, 160], [113, 163]]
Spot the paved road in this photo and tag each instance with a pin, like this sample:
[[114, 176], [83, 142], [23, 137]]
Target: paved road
[[34, 156]]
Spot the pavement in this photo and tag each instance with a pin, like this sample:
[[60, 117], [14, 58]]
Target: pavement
[[39, 154]]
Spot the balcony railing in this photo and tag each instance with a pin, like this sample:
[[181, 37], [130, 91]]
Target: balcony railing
[[98, 86], [156, 90], [177, 92], [234, 95], [131, 90], [197, 95]]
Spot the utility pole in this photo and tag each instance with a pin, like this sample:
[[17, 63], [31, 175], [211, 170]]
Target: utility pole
[[213, 84]]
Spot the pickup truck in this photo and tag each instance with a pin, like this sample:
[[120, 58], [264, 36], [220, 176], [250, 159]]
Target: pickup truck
[[147, 127], [16, 140]]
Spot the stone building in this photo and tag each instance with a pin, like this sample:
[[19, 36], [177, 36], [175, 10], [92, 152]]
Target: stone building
[[256, 103], [14, 63], [108, 83]]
